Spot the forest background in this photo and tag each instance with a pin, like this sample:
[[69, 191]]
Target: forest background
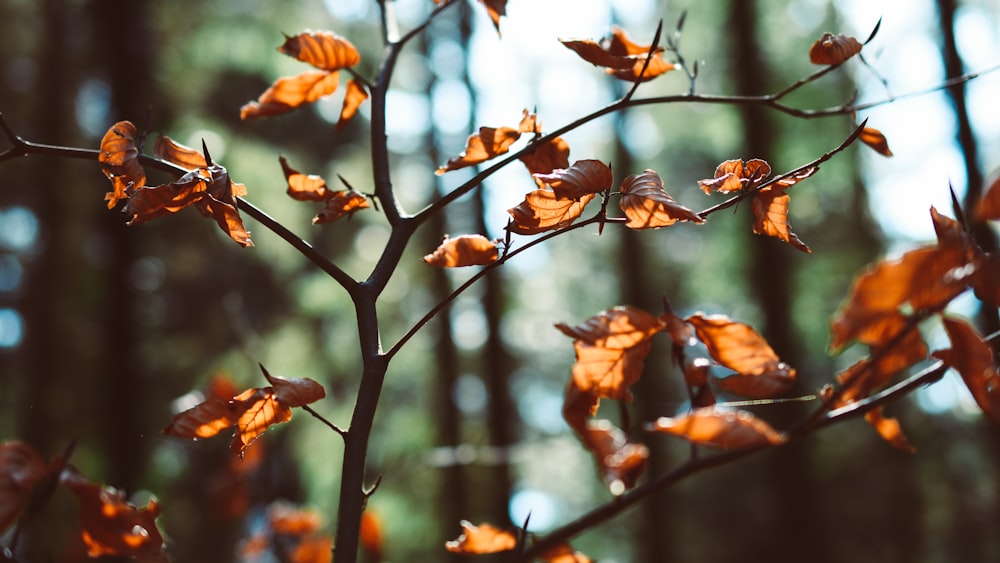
[[104, 329]]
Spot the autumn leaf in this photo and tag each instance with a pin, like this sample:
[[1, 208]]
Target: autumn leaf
[[546, 157], [324, 50], [290, 92], [20, 469], [563, 553], [488, 143], [119, 158], [972, 358], [619, 461], [876, 140], [889, 429], [292, 534], [355, 96], [620, 56], [542, 211], [897, 351], [110, 524], [340, 204], [988, 207], [303, 187], [610, 349], [176, 153], [372, 538], [760, 373], [648, 206], [770, 211], [584, 177], [484, 538], [736, 175], [986, 281], [833, 49], [716, 427], [465, 250], [495, 9], [578, 406]]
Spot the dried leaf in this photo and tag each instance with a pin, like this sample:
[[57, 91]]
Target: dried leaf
[[353, 98], [584, 177], [112, 526], [529, 123], [119, 158], [324, 50], [20, 469], [578, 406], [736, 175], [876, 140], [546, 157], [619, 462], [596, 54], [986, 282], [617, 328], [542, 211], [372, 537], [290, 92], [340, 204], [648, 206], [989, 206], [720, 428], [176, 153], [889, 429], [621, 57], [465, 250], [495, 9], [304, 187], [770, 211], [488, 143], [833, 49], [737, 346], [972, 358], [563, 553], [483, 538]]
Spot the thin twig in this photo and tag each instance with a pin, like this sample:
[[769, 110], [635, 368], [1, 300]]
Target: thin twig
[[324, 420]]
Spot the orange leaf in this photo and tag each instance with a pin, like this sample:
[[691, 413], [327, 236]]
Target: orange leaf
[[648, 206], [833, 49], [620, 56], [578, 406], [495, 9], [986, 282], [876, 140], [356, 94], [770, 211], [183, 156], [112, 526], [619, 462], [20, 468], [483, 538], [259, 410], [324, 50], [372, 538], [889, 429], [584, 177], [862, 378], [696, 378], [596, 54], [542, 211], [656, 67], [341, 204], [295, 392], [304, 187], [529, 123], [290, 92], [119, 158], [720, 428], [972, 358], [759, 371], [204, 420], [989, 206], [736, 175], [488, 143], [292, 534], [563, 553], [617, 328], [546, 157], [465, 250]]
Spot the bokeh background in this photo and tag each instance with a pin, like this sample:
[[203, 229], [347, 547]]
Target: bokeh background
[[107, 330]]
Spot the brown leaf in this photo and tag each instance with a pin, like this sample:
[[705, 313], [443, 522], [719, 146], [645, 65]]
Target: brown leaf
[[372, 538], [204, 420], [542, 211], [833, 49], [720, 428], [304, 187], [176, 153], [737, 346], [972, 358], [989, 206], [621, 57], [465, 250], [290, 92], [112, 526], [619, 462], [563, 553], [495, 9], [578, 406], [546, 157], [770, 211], [295, 392], [119, 158], [986, 282], [619, 327], [340, 204], [895, 352], [736, 175], [876, 140], [596, 54], [20, 469], [353, 98], [656, 67], [648, 206], [484, 538], [584, 177], [889, 429], [488, 143], [696, 378], [324, 50]]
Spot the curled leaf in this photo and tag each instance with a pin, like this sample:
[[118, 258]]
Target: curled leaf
[[972, 358], [290, 92], [176, 153], [719, 428], [546, 157], [876, 140], [488, 143], [119, 158], [736, 175], [770, 211], [619, 461], [465, 250], [339, 204], [484, 538], [304, 187], [355, 96], [584, 177], [324, 50], [889, 429], [833, 49], [648, 206], [542, 211], [621, 57], [110, 524]]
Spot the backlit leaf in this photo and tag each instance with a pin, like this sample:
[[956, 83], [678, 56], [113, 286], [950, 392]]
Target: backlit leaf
[[578, 406], [736, 175], [304, 187], [889, 429], [833, 49], [119, 158], [20, 468], [719, 428], [986, 282], [563, 553], [876, 140], [648, 206], [465, 250], [618, 328], [353, 98], [484, 538], [495, 9], [111, 525], [584, 177], [324, 50], [989, 206], [770, 211], [290, 92], [619, 461], [340, 204], [181, 155], [546, 157], [972, 358], [488, 143], [542, 211], [621, 57]]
